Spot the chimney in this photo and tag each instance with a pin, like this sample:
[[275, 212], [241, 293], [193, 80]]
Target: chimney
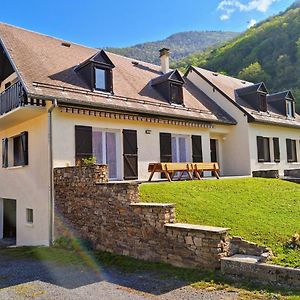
[[164, 55]]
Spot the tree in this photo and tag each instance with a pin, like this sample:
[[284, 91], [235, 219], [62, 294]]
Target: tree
[[254, 73]]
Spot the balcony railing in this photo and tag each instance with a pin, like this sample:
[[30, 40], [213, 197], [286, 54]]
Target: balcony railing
[[13, 97]]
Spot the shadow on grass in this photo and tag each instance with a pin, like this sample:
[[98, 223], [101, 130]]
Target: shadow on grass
[[72, 269]]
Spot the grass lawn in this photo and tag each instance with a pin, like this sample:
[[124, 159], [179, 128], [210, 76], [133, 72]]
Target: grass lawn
[[265, 211]]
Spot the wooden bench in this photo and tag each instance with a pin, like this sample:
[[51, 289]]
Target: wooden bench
[[199, 168], [170, 169]]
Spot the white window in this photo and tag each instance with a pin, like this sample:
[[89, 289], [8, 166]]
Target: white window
[[29, 215], [100, 83], [105, 150], [180, 148], [289, 109]]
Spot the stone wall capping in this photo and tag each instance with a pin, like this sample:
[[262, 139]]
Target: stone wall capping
[[191, 227], [146, 204]]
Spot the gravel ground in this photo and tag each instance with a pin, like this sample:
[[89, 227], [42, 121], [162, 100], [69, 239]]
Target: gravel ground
[[31, 279]]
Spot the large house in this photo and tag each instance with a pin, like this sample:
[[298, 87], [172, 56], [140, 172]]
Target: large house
[[61, 102]]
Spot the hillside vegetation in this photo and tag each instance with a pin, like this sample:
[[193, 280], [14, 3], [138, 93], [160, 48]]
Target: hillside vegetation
[[181, 45], [265, 211], [269, 52]]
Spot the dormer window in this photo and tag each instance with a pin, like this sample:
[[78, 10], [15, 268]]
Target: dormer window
[[97, 72], [290, 111], [176, 93], [100, 79], [263, 106], [170, 86]]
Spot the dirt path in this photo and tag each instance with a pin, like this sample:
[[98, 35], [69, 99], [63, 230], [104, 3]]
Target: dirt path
[[31, 279]]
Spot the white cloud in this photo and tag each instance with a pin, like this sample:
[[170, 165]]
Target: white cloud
[[251, 23], [228, 7]]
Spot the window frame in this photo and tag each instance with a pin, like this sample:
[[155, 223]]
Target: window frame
[[263, 104], [179, 94], [291, 113], [105, 79], [29, 216], [266, 153], [104, 157], [291, 151]]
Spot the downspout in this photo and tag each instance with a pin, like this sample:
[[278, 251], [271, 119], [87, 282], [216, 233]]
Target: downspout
[[51, 183]]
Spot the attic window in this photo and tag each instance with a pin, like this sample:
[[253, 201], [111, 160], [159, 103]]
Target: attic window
[[290, 112], [102, 79], [66, 44], [262, 98], [176, 93]]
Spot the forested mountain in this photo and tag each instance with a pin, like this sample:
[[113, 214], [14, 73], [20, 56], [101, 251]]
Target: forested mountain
[[181, 45], [269, 52]]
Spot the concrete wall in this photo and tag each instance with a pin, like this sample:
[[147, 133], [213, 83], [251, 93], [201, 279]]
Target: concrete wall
[[271, 131], [148, 144], [29, 185], [235, 145]]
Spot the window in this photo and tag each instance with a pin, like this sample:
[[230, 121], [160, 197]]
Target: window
[[290, 109], [29, 215], [276, 149], [291, 149], [15, 150], [105, 150], [263, 149], [179, 148], [176, 93], [100, 79], [263, 102]]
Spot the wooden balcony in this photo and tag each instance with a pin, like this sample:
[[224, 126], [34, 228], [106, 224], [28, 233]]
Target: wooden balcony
[[13, 97]]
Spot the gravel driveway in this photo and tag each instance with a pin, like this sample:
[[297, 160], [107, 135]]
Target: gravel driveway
[[31, 279]]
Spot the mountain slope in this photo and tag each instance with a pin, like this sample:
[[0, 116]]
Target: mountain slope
[[268, 52], [181, 45]]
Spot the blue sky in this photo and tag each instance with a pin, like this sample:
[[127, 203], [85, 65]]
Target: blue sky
[[118, 23]]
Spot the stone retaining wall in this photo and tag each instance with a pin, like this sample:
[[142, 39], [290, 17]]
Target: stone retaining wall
[[250, 268], [266, 173], [110, 217], [292, 173]]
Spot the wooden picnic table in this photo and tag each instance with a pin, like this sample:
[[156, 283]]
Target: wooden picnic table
[[170, 169]]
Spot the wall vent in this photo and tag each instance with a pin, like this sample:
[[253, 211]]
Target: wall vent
[[66, 44]]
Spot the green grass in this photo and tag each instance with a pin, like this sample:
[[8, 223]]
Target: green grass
[[93, 260], [265, 211]]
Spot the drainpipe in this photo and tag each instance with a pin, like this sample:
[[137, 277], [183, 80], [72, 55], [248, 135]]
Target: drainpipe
[[51, 184]]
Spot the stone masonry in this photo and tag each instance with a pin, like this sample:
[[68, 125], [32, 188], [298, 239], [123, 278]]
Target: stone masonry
[[110, 216]]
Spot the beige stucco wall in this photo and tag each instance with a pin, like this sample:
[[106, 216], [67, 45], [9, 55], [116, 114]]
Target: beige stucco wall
[[271, 131], [235, 145], [148, 144], [28, 185]]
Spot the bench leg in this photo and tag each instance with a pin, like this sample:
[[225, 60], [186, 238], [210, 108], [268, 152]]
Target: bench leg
[[190, 176], [151, 175], [217, 174], [168, 176]]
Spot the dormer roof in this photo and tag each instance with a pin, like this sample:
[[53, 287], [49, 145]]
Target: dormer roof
[[251, 89], [285, 95], [99, 58], [174, 76]]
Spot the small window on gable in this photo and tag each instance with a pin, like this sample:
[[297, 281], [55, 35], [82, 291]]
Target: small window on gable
[[290, 109], [29, 215], [176, 93], [263, 102]]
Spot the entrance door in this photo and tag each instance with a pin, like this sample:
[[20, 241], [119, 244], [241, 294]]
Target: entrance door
[[9, 218], [213, 150]]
